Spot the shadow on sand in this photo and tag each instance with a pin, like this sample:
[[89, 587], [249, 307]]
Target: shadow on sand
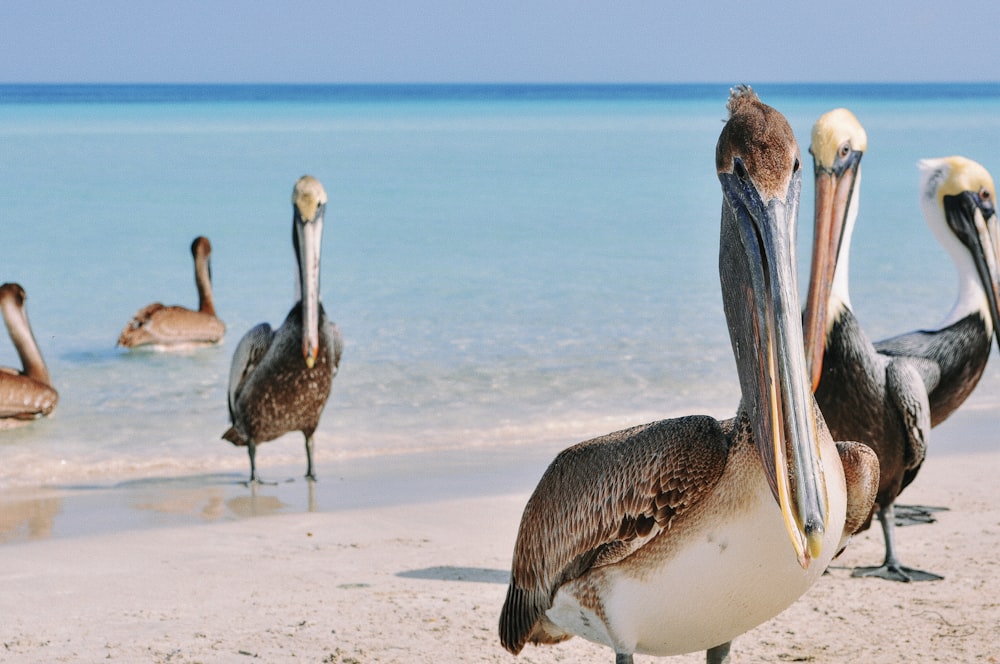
[[451, 573]]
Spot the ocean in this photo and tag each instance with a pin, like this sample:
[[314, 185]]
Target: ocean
[[514, 268]]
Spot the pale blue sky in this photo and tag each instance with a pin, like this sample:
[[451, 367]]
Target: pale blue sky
[[516, 41]]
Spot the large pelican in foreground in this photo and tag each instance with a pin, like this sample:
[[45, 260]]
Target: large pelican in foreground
[[177, 327], [24, 395], [280, 379], [682, 534], [888, 395]]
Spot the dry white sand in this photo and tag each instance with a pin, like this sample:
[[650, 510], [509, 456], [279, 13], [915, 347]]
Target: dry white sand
[[423, 581]]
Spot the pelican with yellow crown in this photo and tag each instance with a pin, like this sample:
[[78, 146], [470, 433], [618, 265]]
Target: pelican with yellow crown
[[682, 534], [889, 394], [280, 379]]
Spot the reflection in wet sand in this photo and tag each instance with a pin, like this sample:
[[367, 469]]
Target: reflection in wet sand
[[207, 502], [88, 509], [255, 505], [210, 503], [28, 519]]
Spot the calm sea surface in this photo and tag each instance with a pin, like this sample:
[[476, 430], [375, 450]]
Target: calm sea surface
[[509, 265]]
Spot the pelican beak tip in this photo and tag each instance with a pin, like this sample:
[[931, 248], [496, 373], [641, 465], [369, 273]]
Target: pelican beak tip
[[814, 546]]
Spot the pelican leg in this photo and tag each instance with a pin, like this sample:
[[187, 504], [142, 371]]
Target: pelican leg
[[309, 459], [719, 654], [623, 658], [252, 451], [891, 569]]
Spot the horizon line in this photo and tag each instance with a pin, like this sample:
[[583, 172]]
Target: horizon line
[[499, 83]]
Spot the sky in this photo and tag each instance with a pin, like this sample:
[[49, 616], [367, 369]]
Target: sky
[[470, 41]]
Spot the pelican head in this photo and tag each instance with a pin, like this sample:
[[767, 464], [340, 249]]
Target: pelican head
[[757, 159], [959, 203], [838, 143], [308, 206], [201, 247]]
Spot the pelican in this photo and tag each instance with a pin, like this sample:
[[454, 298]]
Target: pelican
[[889, 394], [24, 395], [177, 327], [280, 379], [958, 202], [680, 535]]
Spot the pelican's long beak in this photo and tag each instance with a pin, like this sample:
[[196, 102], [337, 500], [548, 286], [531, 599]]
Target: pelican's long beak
[[773, 370], [975, 223], [309, 205], [834, 193]]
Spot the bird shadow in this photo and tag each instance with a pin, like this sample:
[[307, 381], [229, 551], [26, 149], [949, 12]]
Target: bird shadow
[[916, 515], [453, 573]]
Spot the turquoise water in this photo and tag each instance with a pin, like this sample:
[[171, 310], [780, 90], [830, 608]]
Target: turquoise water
[[509, 265]]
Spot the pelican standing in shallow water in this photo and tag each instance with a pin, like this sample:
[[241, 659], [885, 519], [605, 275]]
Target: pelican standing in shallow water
[[24, 395], [888, 395], [682, 534], [280, 379], [176, 327]]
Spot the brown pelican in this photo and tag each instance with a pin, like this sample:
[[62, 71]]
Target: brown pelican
[[177, 327], [888, 395], [280, 379], [673, 537], [24, 395], [958, 202]]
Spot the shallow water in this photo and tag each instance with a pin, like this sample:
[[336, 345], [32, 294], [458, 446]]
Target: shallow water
[[511, 267]]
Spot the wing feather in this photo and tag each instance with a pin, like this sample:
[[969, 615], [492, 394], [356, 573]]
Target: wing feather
[[336, 344], [906, 393], [252, 347], [918, 348], [601, 500]]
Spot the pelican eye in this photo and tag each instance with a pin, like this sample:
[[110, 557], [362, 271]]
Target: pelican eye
[[845, 150], [739, 170], [796, 165], [986, 202]]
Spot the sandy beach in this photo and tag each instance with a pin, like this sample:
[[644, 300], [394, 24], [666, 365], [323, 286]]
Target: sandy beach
[[385, 561]]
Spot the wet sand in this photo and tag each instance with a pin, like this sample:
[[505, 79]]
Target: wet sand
[[405, 559]]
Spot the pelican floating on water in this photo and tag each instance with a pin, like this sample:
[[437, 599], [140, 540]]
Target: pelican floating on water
[[680, 535], [280, 379], [889, 394], [178, 327], [24, 395]]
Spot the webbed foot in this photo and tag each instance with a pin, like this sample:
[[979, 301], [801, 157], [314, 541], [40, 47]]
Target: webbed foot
[[894, 572], [256, 481]]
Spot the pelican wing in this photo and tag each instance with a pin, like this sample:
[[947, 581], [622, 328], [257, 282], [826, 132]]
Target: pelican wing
[[601, 500], [918, 348], [159, 324], [248, 354], [907, 394], [22, 397], [861, 473], [135, 332], [177, 324], [336, 344]]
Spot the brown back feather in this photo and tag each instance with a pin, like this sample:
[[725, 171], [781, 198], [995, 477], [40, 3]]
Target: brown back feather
[[601, 500]]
